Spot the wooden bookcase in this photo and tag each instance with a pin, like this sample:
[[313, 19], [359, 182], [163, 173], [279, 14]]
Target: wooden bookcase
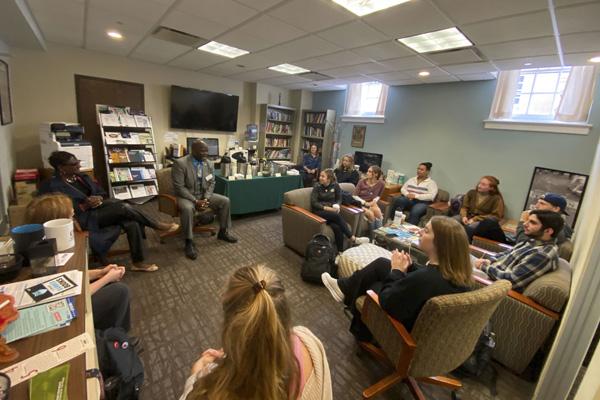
[[317, 128], [277, 135]]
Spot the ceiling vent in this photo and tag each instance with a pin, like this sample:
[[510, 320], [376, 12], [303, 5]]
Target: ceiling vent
[[314, 76], [458, 56], [175, 36]]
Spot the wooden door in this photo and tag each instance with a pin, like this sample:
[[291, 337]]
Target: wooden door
[[90, 91]]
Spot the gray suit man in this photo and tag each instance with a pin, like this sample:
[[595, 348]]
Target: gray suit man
[[193, 183]]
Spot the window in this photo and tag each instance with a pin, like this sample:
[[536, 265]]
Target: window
[[366, 102], [543, 99]]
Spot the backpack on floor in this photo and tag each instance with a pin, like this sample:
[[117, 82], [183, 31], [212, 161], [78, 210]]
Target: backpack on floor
[[120, 365], [319, 258]]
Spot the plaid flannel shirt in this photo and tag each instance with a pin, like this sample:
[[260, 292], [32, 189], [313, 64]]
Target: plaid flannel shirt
[[526, 262]]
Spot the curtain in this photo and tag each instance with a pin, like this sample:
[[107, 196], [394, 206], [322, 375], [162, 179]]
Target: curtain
[[577, 98], [353, 98], [382, 100], [506, 88]]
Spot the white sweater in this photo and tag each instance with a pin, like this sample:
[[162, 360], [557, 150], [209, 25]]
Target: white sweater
[[425, 191]]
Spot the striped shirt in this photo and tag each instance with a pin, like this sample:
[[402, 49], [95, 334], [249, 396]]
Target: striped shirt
[[425, 190], [526, 262]]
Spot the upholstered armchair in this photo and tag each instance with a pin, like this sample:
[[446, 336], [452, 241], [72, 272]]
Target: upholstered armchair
[[443, 337], [300, 224]]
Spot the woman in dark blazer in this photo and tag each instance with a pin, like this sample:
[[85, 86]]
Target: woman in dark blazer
[[403, 286], [102, 217]]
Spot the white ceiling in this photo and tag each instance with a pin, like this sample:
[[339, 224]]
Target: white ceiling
[[321, 36]]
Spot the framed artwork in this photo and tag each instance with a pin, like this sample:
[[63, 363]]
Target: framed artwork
[[358, 136], [5, 107], [571, 185]]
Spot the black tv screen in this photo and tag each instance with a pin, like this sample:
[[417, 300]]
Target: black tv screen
[[365, 160], [203, 110]]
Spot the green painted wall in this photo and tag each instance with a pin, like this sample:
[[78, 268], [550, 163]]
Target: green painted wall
[[443, 124]]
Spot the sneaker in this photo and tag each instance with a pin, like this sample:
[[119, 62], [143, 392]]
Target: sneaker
[[361, 240], [331, 285]]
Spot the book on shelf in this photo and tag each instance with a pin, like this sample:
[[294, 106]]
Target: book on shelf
[[313, 131], [122, 174], [151, 190], [152, 173], [109, 119], [273, 127], [118, 155], [121, 192], [280, 115], [122, 138], [315, 118], [137, 155], [144, 138], [124, 116], [138, 190], [142, 121], [277, 142], [283, 153], [148, 156]]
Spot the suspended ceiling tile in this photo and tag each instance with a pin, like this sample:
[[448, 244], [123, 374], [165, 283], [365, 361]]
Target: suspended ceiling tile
[[471, 68], [299, 49], [260, 5], [367, 68], [581, 59], [440, 79], [352, 34], [311, 15], [158, 51], [519, 63], [284, 80], [518, 27], [50, 17], [406, 63], [405, 82], [224, 69], [581, 42], [390, 76], [194, 25], [468, 11], [477, 77], [197, 59], [225, 12], [408, 19], [384, 51], [256, 75], [582, 18], [341, 59], [519, 48], [433, 72], [147, 10], [453, 57]]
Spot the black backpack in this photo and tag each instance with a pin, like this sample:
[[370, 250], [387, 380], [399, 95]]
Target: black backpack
[[120, 365], [319, 258]]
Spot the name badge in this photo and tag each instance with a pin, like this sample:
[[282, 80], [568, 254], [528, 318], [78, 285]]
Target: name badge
[[209, 177]]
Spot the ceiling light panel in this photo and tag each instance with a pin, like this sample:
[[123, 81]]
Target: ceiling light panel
[[289, 69], [365, 7], [445, 39], [223, 50]]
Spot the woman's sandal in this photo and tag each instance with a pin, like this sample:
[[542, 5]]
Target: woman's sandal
[[173, 228], [145, 268]]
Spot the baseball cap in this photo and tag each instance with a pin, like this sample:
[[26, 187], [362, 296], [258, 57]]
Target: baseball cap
[[556, 200]]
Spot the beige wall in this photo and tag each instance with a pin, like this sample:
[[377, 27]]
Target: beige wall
[[44, 90], [7, 156]]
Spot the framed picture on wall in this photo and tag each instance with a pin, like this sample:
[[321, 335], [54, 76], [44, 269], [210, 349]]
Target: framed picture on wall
[[5, 106], [571, 185], [358, 136]]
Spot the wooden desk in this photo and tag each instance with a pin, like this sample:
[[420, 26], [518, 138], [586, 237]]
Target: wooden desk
[[78, 387]]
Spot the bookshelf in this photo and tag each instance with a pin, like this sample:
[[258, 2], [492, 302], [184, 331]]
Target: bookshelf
[[276, 139], [129, 153], [317, 128]]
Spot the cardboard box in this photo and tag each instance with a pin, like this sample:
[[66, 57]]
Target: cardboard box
[[25, 191]]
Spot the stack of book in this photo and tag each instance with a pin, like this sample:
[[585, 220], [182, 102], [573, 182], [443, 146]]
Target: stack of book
[[125, 174], [271, 127], [315, 118], [134, 191], [122, 116]]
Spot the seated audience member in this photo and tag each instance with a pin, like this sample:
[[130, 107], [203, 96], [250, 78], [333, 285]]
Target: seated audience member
[[194, 182], [531, 258], [101, 216], [262, 357], [482, 203], [417, 194], [311, 165], [369, 190], [325, 201], [551, 202], [110, 298], [403, 286], [346, 173]]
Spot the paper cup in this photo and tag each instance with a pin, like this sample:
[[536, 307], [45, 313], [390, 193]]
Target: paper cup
[[62, 231]]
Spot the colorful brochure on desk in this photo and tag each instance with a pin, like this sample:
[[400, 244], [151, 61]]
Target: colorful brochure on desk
[[57, 281], [42, 318], [50, 385]]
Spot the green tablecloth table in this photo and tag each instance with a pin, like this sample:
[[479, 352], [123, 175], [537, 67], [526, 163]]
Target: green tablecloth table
[[258, 193]]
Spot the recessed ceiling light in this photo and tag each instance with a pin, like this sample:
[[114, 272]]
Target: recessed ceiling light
[[445, 39], [424, 73], [114, 35], [289, 69], [223, 50], [527, 64], [595, 59], [364, 7]]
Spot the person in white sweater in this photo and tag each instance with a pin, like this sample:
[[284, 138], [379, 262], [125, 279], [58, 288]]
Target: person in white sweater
[[417, 193]]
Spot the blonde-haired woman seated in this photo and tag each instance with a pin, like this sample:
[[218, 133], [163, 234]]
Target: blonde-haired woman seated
[[262, 357], [110, 298], [405, 287]]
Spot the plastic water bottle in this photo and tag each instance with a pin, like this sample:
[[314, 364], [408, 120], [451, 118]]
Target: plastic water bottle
[[399, 218]]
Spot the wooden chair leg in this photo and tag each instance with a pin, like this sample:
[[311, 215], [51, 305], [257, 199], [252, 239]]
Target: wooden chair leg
[[382, 385], [376, 352], [443, 381], [414, 388]]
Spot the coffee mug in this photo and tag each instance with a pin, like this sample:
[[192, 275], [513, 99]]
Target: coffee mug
[[24, 235], [61, 230]]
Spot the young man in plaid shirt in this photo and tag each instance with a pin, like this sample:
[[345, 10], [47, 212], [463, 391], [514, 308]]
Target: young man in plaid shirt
[[529, 259]]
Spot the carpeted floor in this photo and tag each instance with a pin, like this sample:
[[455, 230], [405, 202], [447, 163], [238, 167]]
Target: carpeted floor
[[176, 311]]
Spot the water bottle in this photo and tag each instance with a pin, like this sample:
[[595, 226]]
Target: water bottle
[[399, 218]]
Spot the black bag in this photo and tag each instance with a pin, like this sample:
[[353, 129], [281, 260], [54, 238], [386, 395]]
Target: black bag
[[348, 200], [319, 258], [120, 365]]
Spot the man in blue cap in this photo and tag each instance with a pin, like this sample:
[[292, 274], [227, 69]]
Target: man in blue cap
[[551, 202]]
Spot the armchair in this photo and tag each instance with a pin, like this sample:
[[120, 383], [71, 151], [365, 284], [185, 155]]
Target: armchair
[[443, 337], [300, 224]]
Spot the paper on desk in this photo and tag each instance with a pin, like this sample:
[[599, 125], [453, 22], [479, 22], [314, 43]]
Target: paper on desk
[[61, 259], [23, 300], [48, 359]]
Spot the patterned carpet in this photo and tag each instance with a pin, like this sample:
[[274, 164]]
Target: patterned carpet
[[176, 311]]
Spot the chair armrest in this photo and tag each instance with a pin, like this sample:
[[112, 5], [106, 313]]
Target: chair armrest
[[167, 203], [305, 213], [406, 336], [481, 252], [169, 197], [522, 299], [441, 206], [299, 226], [352, 215], [498, 247], [351, 209]]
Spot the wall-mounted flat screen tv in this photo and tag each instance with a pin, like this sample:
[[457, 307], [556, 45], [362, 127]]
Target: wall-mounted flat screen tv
[[365, 160], [203, 110]]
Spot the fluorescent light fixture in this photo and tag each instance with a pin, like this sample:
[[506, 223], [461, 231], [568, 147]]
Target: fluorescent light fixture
[[115, 35], [289, 69], [424, 73], [445, 39], [595, 59], [223, 50], [364, 7]]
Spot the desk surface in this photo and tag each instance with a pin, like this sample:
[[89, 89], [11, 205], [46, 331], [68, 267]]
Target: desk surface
[[35, 344]]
